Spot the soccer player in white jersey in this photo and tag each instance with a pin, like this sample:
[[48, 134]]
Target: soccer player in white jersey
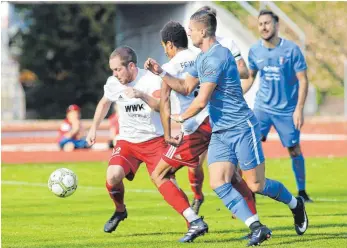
[[196, 175], [140, 139], [141, 133]]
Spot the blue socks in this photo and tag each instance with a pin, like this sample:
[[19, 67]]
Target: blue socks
[[276, 191], [298, 164], [234, 201]]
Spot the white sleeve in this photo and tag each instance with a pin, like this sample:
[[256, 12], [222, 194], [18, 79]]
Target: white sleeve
[[110, 88], [154, 84], [234, 49], [169, 68]]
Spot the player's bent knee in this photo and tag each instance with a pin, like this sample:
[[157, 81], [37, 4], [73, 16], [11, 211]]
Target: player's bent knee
[[157, 178], [256, 187], [216, 183], [295, 151], [115, 174], [195, 169]]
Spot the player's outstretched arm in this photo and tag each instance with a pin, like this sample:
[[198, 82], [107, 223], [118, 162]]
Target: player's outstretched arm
[[199, 102], [100, 113], [298, 116], [165, 112], [247, 83], [183, 86], [165, 109]]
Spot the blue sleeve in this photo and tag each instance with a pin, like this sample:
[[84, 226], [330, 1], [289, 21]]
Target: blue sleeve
[[299, 62], [251, 61], [192, 70], [211, 70]]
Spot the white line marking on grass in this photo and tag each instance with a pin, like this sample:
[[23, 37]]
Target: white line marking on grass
[[147, 191]]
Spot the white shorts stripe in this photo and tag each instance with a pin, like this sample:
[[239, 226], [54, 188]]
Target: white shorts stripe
[[254, 141], [171, 152]]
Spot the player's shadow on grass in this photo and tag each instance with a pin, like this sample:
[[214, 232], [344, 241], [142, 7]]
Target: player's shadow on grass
[[310, 227], [152, 234], [286, 216], [309, 238]]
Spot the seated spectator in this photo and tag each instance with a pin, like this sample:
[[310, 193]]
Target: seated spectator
[[70, 132]]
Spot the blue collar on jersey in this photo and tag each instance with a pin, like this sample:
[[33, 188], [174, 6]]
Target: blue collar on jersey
[[215, 44]]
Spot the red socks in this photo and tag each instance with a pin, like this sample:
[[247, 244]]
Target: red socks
[[196, 180], [174, 196]]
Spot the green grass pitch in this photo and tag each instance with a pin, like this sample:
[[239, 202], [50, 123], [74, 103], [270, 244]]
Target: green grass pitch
[[33, 217]]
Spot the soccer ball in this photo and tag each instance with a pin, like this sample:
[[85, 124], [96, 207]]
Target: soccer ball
[[62, 182]]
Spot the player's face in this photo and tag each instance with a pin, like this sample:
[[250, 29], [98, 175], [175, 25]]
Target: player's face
[[267, 27], [195, 32], [121, 72], [168, 49]]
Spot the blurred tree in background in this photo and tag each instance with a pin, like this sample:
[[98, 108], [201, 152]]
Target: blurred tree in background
[[67, 47]]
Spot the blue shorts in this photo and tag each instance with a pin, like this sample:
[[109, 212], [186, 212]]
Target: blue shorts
[[238, 146], [79, 144], [284, 126]]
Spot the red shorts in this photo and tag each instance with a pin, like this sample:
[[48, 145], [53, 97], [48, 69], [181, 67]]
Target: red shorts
[[193, 145], [131, 155]]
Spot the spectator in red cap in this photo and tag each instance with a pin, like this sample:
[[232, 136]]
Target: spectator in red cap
[[70, 137]]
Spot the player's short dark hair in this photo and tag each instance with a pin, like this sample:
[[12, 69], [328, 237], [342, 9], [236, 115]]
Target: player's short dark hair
[[174, 32], [208, 9], [126, 54], [208, 19], [269, 12]]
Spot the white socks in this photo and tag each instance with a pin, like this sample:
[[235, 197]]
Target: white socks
[[190, 215], [293, 202]]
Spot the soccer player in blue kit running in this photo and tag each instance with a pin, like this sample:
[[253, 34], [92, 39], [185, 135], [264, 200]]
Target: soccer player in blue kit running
[[236, 134], [282, 91]]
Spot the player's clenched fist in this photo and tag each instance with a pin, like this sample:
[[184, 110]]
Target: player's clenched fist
[[91, 137], [153, 66], [133, 93]]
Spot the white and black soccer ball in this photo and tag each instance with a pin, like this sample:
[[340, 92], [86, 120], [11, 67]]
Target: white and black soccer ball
[[62, 182]]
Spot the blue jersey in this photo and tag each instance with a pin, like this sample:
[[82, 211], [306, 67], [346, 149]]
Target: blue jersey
[[279, 86], [227, 107]]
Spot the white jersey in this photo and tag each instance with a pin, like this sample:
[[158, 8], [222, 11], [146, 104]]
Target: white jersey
[[177, 67], [231, 45], [137, 121]]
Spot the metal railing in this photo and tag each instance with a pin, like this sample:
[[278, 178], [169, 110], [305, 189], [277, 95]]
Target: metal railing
[[283, 17]]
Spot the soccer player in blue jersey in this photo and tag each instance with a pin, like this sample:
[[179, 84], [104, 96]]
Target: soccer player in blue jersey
[[282, 91], [235, 130]]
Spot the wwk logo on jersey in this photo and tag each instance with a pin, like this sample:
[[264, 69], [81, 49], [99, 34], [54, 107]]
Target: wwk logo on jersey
[[134, 107]]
